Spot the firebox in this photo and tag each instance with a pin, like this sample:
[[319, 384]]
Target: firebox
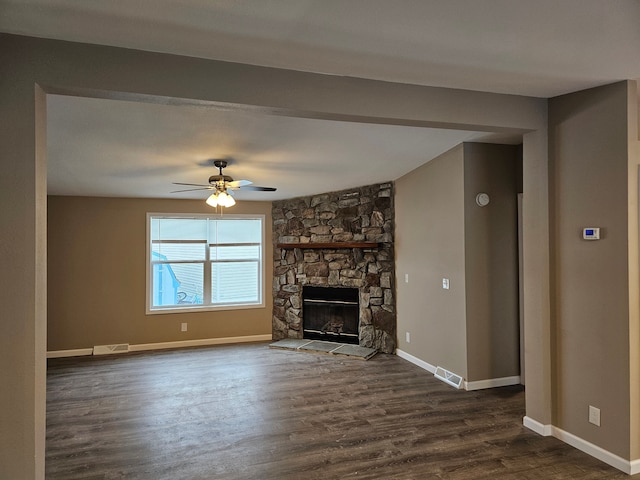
[[331, 314]]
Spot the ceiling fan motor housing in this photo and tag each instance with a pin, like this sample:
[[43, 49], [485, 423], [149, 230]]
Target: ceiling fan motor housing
[[219, 178]]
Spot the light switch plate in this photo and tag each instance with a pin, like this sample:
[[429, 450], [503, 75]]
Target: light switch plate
[[594, 415]]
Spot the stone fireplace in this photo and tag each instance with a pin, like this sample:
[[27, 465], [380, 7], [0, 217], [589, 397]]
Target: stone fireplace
[[336, 240]]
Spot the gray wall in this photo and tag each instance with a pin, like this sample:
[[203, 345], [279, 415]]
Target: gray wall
[[33, 67], [491, 261]]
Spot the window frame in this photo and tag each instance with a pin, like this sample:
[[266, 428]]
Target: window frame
[[207, 263]]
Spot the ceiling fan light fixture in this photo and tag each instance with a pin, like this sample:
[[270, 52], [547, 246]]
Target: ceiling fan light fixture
[[221, 198], [226, 200], [212, 201]]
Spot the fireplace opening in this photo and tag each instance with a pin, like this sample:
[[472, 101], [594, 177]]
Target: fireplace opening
[[331, 314]]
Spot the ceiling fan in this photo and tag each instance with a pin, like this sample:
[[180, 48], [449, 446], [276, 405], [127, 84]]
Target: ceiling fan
[[223, 187]]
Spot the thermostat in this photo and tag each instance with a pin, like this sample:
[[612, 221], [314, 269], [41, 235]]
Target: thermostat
[[591, 233]]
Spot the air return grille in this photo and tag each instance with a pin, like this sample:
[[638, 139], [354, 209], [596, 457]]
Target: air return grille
[[110, 349], [448, 377]]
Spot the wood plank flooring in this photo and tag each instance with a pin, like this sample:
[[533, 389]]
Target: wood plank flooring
[[250, 412]]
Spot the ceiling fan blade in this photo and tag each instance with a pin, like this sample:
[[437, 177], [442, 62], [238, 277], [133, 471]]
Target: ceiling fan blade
[[238, 183], [191, 184], [192, 189], [260, 189]]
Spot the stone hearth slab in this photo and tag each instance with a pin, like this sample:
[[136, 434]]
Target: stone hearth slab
[[355, 351], [317, 346], [289, 344], [320, 346]]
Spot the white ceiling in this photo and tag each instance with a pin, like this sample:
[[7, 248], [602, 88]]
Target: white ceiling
[[103, 147], [117, 148]]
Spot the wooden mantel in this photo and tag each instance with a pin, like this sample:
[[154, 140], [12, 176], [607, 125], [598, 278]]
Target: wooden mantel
[[331, 245]]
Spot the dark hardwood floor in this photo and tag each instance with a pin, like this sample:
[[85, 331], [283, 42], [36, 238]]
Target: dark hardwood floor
[[250, 412]]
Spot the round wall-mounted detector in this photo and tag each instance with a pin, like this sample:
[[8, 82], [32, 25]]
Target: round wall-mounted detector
[[482, 199]]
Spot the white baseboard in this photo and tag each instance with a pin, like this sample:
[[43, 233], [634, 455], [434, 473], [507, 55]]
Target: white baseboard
[[164, 345], [539, 428], [601, 454], [492, 383], [481, 384], [78, 352], [416, 361], [626, 466], [200, 342]]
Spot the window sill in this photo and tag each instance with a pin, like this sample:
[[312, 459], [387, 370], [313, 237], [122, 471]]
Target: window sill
[[207, 309]]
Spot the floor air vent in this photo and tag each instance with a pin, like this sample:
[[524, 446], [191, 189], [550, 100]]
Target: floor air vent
[[110, 349], [448, 377]]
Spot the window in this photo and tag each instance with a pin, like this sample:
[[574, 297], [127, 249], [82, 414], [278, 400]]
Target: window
[[204, 262]]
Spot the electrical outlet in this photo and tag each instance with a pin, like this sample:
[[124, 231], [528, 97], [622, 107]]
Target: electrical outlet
[[183, 327], [594, 415], [408, 337], [445, 283], [406, 278]]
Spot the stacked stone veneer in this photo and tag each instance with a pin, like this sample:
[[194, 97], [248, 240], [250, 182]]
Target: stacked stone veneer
[[362, 214]]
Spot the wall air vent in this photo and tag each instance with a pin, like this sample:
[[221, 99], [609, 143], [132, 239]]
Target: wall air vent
[[110, 349], [448, 377]]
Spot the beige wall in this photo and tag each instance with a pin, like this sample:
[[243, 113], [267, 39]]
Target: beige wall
[[536, 278], [491, 261], [633, 180], [589, 160], [472, 328], [97, 276], [430, 246], [33, 67]]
